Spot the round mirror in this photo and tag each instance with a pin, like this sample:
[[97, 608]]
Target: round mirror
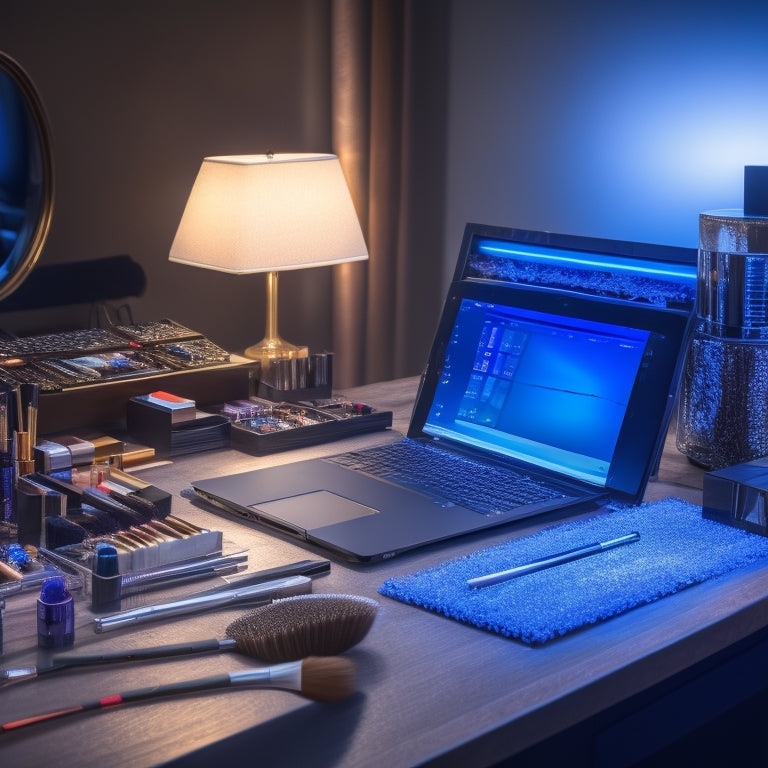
[[26, 175]]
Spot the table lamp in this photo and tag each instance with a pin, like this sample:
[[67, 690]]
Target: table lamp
[[268, 213]]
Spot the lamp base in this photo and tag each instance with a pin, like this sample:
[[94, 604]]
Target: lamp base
[[296, 378], [275, 348]]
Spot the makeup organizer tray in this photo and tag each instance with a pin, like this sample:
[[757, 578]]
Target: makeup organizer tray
[[86, 375], [65, 524], [153, 545], [261, 427]]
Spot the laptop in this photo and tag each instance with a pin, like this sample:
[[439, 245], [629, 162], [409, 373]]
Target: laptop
[[549, 385]]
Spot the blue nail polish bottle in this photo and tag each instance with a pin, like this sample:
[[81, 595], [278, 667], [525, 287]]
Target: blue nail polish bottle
[[55, 615]]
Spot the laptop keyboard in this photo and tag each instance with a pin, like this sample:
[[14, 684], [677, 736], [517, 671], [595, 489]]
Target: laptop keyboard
[[448, 477]]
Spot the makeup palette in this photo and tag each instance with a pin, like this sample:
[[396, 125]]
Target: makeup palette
[[259, 426], [85, 376]]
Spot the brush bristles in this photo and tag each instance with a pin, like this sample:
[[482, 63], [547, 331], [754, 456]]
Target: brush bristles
[[327, 678], [305, 625]]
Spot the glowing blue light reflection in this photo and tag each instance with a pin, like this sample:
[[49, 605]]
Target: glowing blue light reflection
[[639, 117], [577, 260]]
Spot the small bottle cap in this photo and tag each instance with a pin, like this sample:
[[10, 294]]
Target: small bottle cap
[[106, 560]]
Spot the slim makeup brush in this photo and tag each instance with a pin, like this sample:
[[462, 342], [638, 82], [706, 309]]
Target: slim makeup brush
[[319, 679], [264, 592], [288, 629]]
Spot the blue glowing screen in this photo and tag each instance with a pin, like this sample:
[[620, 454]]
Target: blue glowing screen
[[543, 388]]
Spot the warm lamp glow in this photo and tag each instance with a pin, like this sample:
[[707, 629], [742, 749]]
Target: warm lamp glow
[[266, 213]]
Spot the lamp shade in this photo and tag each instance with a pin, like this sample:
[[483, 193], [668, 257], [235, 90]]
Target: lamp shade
[[264, 213]]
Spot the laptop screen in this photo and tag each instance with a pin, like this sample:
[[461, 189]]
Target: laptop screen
[[543, 388], [582, 386]]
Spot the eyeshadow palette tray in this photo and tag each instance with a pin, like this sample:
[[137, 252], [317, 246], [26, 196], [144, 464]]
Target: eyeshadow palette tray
[[261, 427], [86, 375]]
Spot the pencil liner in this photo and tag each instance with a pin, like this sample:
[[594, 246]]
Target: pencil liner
[[136, 501], [126, 515]]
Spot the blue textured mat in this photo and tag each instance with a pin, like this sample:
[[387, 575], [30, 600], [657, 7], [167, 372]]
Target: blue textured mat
[[677, 548]]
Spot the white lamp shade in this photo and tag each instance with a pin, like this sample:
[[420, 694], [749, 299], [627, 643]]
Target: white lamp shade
[[258, 213]]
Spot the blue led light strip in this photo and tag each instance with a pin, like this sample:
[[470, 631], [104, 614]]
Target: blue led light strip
[[577, 260]]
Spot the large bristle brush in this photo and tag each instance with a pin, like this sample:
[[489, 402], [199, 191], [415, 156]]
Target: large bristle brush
[[305, 625], [284, 630], [319, 679]]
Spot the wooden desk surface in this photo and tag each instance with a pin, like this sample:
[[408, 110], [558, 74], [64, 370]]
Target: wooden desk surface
[[432, 691]]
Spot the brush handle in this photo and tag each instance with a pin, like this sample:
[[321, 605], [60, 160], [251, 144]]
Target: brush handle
[[139, 694], [285, 676], [67, 661], [300, 568], [264, 592], [219, 566]]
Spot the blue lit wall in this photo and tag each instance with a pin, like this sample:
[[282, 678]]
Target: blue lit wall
[[610, 119]]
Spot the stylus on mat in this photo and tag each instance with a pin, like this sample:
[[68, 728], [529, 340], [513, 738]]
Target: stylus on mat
[[552, 560]]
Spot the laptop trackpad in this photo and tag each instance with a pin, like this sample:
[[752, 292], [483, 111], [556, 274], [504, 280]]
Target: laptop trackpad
[[315, 510]]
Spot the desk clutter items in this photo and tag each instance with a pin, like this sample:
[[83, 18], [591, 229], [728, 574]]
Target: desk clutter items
[[302, 638], [55, 614], [262, 592], [677, 548], [260, 426], [738, 495], [552, 560], [307, 377], [115, 533], [310, 625], [62, 509], [173, 426], [258, 587], [20, 570], [84, 376], [316, 678], [57, 361], [87, 451], [285, 630]]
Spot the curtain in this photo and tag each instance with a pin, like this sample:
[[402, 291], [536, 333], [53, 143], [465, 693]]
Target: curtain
[[388, 84]]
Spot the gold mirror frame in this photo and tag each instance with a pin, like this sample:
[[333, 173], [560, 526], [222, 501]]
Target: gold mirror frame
[[39, 208]]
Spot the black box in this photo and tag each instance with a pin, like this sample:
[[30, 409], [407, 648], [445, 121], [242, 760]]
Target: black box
[[174, 431], [738, 496]]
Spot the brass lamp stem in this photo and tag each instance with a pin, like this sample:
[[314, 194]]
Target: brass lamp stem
[[271, 333], [272, 346]]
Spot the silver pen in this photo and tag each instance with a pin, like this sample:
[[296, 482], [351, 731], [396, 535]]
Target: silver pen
[[552, 560], [263, 593]]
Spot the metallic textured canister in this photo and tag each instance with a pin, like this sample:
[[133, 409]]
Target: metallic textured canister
[[723, 407]]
